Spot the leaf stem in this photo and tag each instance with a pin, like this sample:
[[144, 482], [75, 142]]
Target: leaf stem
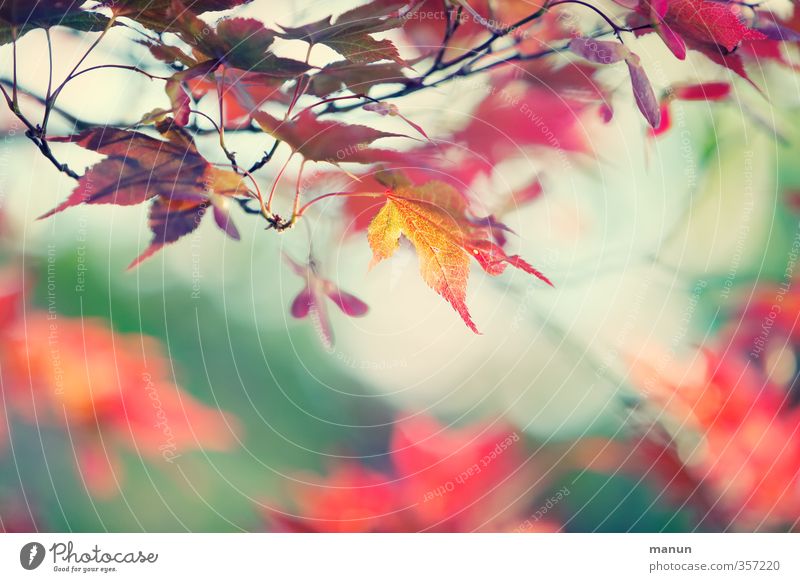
[[228, 154], [615, 27], [296, 204], [91, 48], [278, 179], [305, 207], [49, 66], [14, 58]]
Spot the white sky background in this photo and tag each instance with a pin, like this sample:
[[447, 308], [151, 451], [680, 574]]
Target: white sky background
[[597, 233]]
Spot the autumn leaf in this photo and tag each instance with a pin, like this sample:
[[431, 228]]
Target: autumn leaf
[[715, 29], [405, 493], [437, 238], [359, 211], [21, 11], [233, 59], [241, 43], [434, 218], [709, 22], [350, 34], [140, 168], [358, 78], [169, 220], [17, 17], [520, 114], [242, 93], [328, 141], [160, 15]]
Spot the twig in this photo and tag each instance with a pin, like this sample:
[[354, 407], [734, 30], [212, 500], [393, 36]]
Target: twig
[[266, 157], [302, 210]]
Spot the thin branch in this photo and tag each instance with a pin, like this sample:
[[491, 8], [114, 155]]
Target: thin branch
[[266, 158], [296, 204], [49, 66], [76, 122], [451, 26], [302, 210], [124, 67], [34, 133], [14, 59], [470, 62], [228, 154], [416, 85], [615, 27], [91, 48]]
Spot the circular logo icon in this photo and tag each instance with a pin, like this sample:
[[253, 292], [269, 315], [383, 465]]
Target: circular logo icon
[[31, 555]]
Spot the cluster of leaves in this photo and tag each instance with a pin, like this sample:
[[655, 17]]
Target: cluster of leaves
[[235, 63], [56, 376], [439, 479]]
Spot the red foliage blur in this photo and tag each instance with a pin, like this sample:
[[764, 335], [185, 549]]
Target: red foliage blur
[[110, 392], [441, 479], [741, 401]]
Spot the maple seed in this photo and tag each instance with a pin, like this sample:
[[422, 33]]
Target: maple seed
[[311, 299]]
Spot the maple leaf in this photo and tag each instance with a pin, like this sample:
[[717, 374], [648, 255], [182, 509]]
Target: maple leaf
[[521, 114], [350, 34], [715, 29], [20, 12], [328, 141], [358, 78], [311, 299], [234, 59], [242, 93], [426, 23], [437, 238], [705, 21], [160, 15], [434, 218], [19, 17], [242, 43], [139, 168]]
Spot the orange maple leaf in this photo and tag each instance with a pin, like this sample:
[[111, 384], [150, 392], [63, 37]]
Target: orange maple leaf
[[434, 232], [434, 218]]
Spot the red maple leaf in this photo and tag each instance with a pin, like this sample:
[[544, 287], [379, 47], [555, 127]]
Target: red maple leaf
[[327, 140], [181, 182]]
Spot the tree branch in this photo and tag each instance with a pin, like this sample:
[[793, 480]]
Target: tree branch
[[441, 71]]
